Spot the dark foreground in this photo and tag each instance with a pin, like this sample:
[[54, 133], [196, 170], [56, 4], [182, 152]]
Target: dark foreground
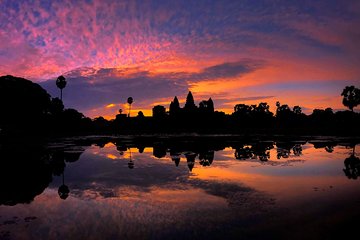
[[184, 187]]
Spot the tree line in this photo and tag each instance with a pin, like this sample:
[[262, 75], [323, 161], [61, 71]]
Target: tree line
[[27, 107]]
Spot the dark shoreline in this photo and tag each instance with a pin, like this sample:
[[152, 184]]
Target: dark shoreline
[[188, 138]]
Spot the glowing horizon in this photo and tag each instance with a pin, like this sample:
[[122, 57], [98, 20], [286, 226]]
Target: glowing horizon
[[233, 51]]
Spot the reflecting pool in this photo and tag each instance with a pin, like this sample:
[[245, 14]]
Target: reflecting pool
[[214, 187]]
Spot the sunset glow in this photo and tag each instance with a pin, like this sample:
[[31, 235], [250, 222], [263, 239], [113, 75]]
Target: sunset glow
[[299, 53]]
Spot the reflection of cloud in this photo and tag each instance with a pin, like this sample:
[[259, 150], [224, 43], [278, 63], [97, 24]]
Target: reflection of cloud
[[162, 213]]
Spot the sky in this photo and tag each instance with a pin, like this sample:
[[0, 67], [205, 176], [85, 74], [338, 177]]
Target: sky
[[241, 51]]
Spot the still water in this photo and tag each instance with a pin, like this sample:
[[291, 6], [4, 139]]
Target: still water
[[180, 188]]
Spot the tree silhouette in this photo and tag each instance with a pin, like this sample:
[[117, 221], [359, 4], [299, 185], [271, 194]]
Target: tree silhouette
[[351, 96], [130, 100], [284, 115], [263, 107], [61, 84], [56, 107], [140, 114], [22, 103], [242, 109], [282, 109], [297, 110]]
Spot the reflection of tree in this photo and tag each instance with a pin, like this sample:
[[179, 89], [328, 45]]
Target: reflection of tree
[[59, 157], [352, 166], [243, 153], [329, 149], [63, 190], [351, 97], [58, 163], [121, 149], [262, 150], [297, 149], [282, 153], [283, 149], [131, 163], [141, 148], [327, 145], [259, 151], [27, 171]]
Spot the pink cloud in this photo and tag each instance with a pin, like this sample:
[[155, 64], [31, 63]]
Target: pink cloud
[[171, 44]]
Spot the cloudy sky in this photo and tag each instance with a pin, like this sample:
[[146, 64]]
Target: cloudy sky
[[241, 51]]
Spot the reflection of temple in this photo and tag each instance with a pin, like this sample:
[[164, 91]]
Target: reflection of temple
[[190, 159], [159, 150], [175, 157], [206, 158]]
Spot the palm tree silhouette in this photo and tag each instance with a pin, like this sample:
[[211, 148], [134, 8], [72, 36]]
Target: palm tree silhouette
[[61, 84], [130, 100], [351, 97]]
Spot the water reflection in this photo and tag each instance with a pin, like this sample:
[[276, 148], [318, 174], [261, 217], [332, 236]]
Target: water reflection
[[29, 169], [131, 163], [259, 151], [187, 186]]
